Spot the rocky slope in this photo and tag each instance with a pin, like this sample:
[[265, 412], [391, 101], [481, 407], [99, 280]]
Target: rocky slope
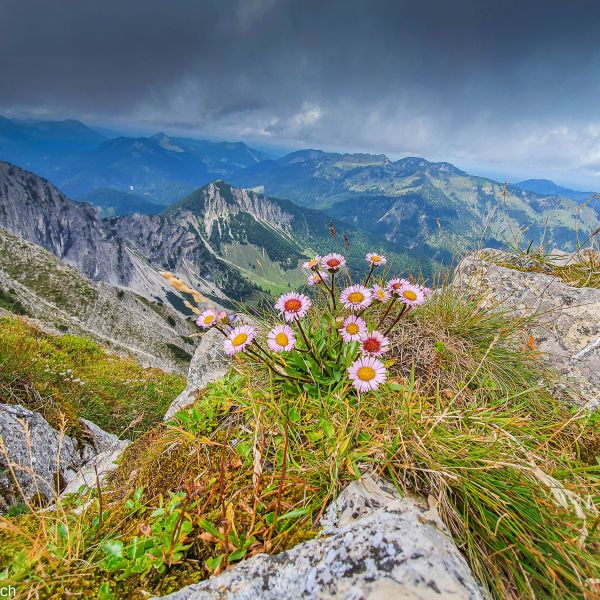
[[267, 238], [35, 283]]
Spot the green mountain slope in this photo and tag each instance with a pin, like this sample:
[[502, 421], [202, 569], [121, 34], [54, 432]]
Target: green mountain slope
[[433, 209], [268, 238]]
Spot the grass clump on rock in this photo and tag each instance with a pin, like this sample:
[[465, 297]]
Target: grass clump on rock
[[445, 399]]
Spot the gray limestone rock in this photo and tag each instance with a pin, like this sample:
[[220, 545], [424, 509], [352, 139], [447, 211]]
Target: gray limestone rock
[[375, 545], [209, 363], [567, 320], [42, 459]]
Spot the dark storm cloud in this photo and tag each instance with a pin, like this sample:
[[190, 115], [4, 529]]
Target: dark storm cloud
[[478, 81]]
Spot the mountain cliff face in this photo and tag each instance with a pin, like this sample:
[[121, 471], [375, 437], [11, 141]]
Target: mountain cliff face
[[434, 209], [130, 253]]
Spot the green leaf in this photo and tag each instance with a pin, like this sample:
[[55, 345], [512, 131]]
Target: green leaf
[[237, 554], [292, 514], [63, 531], [212, 564], [105, 593], [112, 548], [328, 428], [294, 415]]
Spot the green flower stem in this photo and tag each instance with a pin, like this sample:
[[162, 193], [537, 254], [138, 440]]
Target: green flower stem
[[273, 369], [369, 275], [387, 311], [308, 344], [395, 322], [332, 290]]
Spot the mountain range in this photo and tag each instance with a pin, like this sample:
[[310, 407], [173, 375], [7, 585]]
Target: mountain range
[[80, 161], [425, 212], [433, 209], [227, 243]]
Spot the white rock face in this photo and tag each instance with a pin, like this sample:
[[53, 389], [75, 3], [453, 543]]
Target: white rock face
[[375, 545], [567, 320], [209, 363], [47, 463], [41, 459]]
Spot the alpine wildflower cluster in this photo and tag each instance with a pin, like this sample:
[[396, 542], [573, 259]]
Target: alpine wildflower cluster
[[357, 318]]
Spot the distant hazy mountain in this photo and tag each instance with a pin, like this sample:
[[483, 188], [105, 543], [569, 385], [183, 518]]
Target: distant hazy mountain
[[549, 188], [111, 203], [432, 209], [80, 160], [160, 168], [44, 146]]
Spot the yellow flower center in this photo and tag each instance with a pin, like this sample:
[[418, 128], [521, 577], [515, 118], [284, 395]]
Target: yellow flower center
[[356, 297], [313, 262], [282, 339], [366, 373], [352, 328], [239, 339], [375, 259], [380, 294], [209, 319], [409, 295]]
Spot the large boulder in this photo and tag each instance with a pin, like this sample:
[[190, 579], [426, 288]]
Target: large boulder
[[566, 326], [374, 545], [46, 462], [208, 364], [40, 458]]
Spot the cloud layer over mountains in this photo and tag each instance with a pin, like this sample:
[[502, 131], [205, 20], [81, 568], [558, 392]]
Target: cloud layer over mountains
[[506, 87]]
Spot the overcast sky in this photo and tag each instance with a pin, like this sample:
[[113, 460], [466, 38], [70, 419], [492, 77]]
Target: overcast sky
[[505, 88]]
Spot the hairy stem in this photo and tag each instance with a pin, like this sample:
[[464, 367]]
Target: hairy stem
[[387, 312]]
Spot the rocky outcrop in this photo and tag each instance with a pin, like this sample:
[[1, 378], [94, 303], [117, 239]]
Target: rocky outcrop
[[566, 326], [40, 458], [45, 462], [107, 448], [375, 545], [209, 363]]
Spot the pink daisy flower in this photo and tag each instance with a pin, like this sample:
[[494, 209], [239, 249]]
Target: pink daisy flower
[[314, 279], [238, 339], [380, 294], [395, 285], [207, 319], [411, 295], [293, 305], [374, 343], [352, 328], [367, 373], [311, 264], [281, 338], [356, 297], [375, 259], [333, 262]]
